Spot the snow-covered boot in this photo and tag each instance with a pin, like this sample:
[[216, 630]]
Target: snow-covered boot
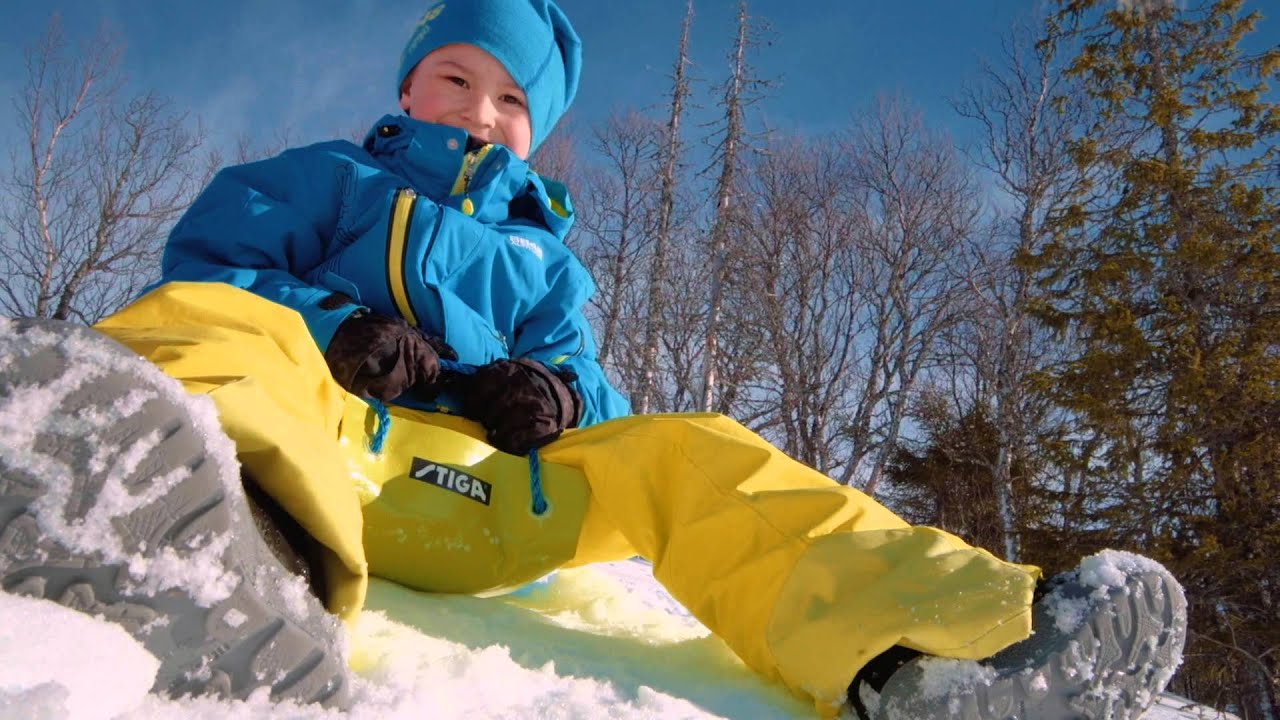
[[120, 497], [1106, 639]]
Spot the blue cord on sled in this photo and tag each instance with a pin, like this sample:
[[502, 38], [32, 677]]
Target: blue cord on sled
[[535, 484], [379, 438]]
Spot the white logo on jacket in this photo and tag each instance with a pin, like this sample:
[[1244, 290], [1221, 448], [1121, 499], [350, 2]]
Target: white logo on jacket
[[527, 244]]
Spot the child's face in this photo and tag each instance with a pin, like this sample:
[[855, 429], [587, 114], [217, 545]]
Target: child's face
[[467, 88]]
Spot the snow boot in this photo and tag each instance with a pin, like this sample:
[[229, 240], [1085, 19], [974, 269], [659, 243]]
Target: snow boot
[[120, 497], [1106, 639]]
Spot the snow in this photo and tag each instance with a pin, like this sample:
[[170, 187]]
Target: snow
[[59, 663], [1109, 568], [599, 642], [946, 676], [1068, 613]]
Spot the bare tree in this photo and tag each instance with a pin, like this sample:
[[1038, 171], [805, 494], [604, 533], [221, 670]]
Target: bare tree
[[557, 156], [917, 206], [805, 297], [684, 312], [92, 191], [616, 217], [1027, 114], [250, 147]]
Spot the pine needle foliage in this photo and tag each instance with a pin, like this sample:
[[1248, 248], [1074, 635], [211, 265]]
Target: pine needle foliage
[[1165, 266]]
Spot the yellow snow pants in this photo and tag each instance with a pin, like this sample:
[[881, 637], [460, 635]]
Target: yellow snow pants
[[803, 578]]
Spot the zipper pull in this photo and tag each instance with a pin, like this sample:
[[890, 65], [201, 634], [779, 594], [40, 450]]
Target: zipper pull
[[470, 162]]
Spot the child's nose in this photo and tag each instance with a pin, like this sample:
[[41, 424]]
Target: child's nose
[[482, 110]]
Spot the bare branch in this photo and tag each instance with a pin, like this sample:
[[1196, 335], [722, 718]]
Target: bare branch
[[89, 199]]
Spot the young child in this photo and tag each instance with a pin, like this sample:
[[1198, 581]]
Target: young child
[[426, 269], [477, 272]]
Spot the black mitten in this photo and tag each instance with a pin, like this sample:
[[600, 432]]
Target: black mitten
[[380, 356], [522, 403]]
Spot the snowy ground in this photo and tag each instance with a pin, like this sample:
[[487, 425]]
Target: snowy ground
[[600, 642]]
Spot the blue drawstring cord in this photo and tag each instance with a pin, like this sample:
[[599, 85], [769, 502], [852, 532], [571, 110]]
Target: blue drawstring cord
[[379, 438], [535, 483]]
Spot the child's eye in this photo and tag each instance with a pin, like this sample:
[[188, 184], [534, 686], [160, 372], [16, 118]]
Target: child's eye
[[513, 100], [456, 80]]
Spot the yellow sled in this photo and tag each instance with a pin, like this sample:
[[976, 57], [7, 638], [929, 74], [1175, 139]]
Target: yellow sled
[[441, 506]]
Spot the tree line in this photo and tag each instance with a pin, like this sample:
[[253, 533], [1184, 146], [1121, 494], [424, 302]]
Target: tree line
[[1062, 337]]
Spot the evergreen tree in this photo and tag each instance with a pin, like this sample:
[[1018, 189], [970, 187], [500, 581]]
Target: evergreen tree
[[950, 481], [1166, 266]]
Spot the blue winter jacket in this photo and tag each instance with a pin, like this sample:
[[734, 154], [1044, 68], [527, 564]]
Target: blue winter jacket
[[467, 246]]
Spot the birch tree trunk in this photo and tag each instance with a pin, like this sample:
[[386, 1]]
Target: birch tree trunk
[[1027, 114]]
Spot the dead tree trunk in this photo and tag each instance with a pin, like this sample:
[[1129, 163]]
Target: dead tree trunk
[[730, 151], [669, 158]]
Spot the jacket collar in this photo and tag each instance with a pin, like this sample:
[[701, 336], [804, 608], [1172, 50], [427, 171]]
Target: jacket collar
[[433, 159]]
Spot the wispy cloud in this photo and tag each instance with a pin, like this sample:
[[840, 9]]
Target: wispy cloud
[[312, 72], [309, 70]]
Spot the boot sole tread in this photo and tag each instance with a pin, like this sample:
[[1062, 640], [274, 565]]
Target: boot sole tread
[[246, 639]]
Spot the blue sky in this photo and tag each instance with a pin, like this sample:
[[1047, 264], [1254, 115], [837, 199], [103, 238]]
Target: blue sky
[[322, 68]]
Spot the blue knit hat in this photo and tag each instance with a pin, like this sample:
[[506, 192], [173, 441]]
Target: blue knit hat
[[531, 38]]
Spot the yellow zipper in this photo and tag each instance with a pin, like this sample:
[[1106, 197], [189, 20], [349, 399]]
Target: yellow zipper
[[397, 244], [470, 162]]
